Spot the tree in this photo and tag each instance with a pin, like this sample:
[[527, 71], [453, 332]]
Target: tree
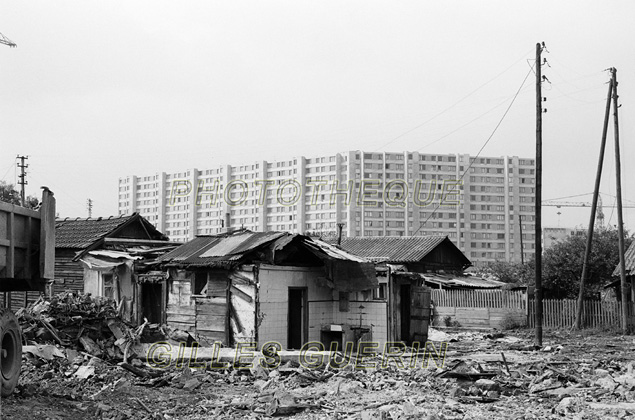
[[562, 264], [9, 194], [508, 272]]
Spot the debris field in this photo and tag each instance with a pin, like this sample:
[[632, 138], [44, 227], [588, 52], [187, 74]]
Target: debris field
[[81, 361]]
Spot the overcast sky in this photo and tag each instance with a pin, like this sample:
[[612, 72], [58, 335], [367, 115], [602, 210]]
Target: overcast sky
[[99, 90]]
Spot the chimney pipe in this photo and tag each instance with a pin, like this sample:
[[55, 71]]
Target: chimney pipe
[[227, 223], [340, 226]]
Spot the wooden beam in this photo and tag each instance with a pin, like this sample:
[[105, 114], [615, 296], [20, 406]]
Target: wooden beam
[[239, 293]]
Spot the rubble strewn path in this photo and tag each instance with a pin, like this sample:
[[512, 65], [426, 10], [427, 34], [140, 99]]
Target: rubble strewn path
[[486, 375]]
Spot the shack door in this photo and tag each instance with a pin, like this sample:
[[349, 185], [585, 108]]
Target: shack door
[[419, 314]]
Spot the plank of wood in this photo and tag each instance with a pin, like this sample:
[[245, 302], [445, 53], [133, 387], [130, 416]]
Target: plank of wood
[[182, 325], [211, 324], [239, 293], [181, 310], [181, 318], [236, 318], [210, 300], [240, 278], [212, 310]]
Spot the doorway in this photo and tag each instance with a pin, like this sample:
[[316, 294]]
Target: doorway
[[152, 302], [404, 313], [297, 320]]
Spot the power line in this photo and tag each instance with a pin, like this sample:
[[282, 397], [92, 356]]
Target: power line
[[8, 169], [481, 149], [453, 105], [568, 196]]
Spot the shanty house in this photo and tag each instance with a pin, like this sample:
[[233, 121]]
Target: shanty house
[[403, 264], [272, 286], [105, 256], [451, 296]]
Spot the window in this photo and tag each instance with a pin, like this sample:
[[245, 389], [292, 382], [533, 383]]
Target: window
[[108, 289], [200, 281], [380, 293]]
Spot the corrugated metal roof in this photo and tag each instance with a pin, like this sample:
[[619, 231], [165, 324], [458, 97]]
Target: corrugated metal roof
[[629, 262], [81, 233], [332, 251], [218, 251], [348, 272], [453, 281], [398, 249]]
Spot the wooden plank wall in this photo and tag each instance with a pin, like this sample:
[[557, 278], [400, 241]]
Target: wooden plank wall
[[225, 310], [211, 318], [69, 275], [180, 311]]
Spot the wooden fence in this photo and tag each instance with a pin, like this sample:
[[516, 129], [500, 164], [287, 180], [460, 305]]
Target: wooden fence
[[479, 308], [479, 298], [560, 313]]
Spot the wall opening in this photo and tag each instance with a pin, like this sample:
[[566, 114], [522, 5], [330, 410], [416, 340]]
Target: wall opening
[[404, 312], [152, 302], [298, 317]]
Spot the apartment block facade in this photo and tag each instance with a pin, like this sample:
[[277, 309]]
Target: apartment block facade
[[484, 204]]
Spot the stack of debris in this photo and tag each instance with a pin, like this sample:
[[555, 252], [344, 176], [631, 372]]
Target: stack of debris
[[81, 322]]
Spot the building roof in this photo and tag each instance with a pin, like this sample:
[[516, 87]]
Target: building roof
[[347, 272], [471, 282], [218, 250], [398, 249], [82, 233], [629, 262]]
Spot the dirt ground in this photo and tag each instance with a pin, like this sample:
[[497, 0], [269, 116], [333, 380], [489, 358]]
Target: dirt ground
[[587, 375]]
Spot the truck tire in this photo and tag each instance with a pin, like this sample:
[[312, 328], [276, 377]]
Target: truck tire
[[11, 354]]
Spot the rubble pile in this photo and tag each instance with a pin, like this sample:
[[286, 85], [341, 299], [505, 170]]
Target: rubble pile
[[81, 322], [485, 375]]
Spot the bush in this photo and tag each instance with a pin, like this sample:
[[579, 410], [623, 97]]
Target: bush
[[449, 322], [510, 322]]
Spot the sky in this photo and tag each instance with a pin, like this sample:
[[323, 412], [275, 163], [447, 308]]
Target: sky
[[100, 90]]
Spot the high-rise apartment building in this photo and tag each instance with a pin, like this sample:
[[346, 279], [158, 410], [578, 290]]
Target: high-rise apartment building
[[485, 204]]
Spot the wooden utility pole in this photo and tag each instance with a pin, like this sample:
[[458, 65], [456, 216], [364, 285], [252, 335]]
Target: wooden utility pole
[[538, 209], [22, 177], [618, 185], [594, 204]]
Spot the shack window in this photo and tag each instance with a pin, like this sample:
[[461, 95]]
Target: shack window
[[380, 292], [200, 281], [108, 286]]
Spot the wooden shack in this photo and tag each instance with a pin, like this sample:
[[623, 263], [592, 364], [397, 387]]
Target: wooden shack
[[271, 286]]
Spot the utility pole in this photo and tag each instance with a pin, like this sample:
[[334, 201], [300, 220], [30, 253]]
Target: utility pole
[[538, 208], [618, 184], [89, 206], [22, 177], [594, 203]]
